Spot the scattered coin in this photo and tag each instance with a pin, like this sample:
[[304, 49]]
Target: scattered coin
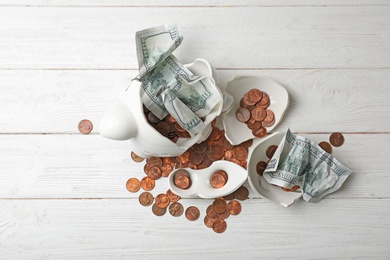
[[225, 214], [241, 193], [145, 198], [240, 153], [147, 183], [176, 209], [172, 196], [336, 139], [192, 213], [271, 151], [154, 172], [219, 205], [157, 210], [208, 221], [210, 212], [133, 185], [219, 225], [234, 207], [85, 126], [326, 147], [162, 200], [136, 158]]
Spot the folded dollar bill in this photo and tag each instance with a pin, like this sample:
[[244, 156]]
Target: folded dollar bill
[[168, 87], [300, 161]]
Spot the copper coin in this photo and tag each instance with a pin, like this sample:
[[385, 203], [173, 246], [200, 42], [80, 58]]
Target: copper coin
[[169, 160], [247, 100], [229, 196], [243, 114], [215, 134], [155, 161], [208, 221], [154, 172], [219, 225], [147, 183], [182, 179], [172, 196], [136, 158], [219, 205], [246, 144], [200, 148], [255, 95], [336, 139], [240, 153], [162, 200], [259, 113], [226, 144], [264, 101], [223, 173], [228, 154], [256, 125], [192, 213], [251, 121], [270, 116], [184, 157], [169, 118], [179, 128], [164, 125], [210, 212], [225, 214], [241, 193], [133, 185], [85, 126], [217, 181], [195, 158], [158, 211], [176, 209], [292, 189], [152, 118], [166, 169], [260, 167], [145, 198], [216, 152], [234, 207], [326, 147], [265, 124], [261, 132], [271, 151]]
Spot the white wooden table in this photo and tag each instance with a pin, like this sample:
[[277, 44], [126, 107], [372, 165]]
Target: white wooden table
[[62, 194]]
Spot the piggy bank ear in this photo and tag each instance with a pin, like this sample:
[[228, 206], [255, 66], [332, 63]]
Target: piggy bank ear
[[118, 124]]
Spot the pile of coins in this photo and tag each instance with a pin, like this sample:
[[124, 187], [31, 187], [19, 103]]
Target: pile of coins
[[199, 156], [167, 127], [254, 112], [335, 139]]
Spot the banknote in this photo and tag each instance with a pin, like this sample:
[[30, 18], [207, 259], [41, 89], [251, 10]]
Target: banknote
[[300, 161], [155, 44]]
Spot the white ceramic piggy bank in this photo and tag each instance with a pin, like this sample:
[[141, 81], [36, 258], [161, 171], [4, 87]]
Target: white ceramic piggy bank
[[127, 121]]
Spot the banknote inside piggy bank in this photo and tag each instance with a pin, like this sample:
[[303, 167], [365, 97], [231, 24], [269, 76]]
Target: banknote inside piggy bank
[[127, 120]]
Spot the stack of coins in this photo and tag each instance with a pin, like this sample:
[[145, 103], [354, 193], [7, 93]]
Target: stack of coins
[[182, 179], [167, 127], [254, 112], [218, 179]]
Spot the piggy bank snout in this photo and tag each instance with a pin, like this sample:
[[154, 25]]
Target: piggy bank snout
[[118, 124]]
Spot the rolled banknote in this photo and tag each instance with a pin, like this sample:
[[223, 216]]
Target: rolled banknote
[[160, 70], [300, 161]]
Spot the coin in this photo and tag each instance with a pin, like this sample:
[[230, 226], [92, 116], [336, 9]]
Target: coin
[[229, 196], [270, 116], [136, 158], [266, 124], [208, 221], [292, 189], [225, 214], [217, 181], [271, 151], [255, 95], [264, 101], [219, 205], [85, 126], [169, 118], [158, 211], [147, 183], [326, 147], [247, 100], [184, 157], [234, 207], [256, 125], [223, 173], [133, 185], [219, 225], [243, 114], [154, 161], [176, 209], [246, 144], [192, 213], [259, 113], [154, 172], [241, 193], [145, 198], [166, 169], [162, 200], [216, 152], [260, 167], [172, 196], [200, 148], [240, 153], [261, 132], [182, 179], [336, 139], [215, 134], [210, 212], [195, 158]]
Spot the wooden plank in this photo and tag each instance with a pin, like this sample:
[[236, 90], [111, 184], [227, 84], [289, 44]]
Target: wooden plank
[[77, 166], [192, 3], [321, 100], [119, 229], [255, 37]]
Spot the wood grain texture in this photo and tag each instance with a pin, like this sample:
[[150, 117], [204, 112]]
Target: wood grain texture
[[320, 100], [123, 229], [240, 37], [76, 166]]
